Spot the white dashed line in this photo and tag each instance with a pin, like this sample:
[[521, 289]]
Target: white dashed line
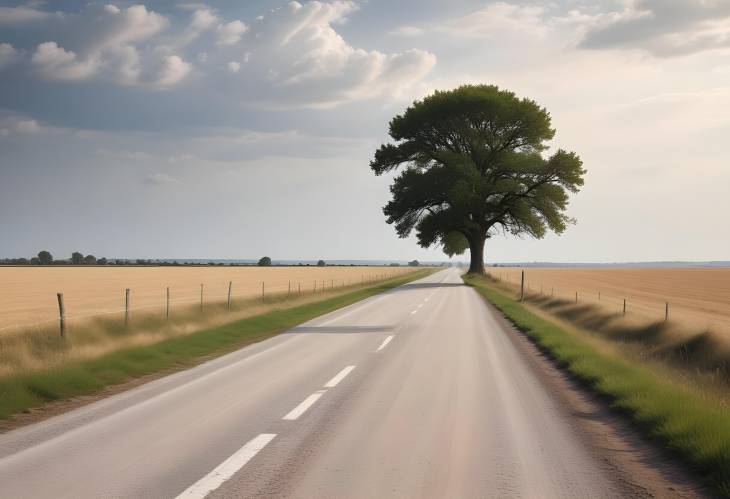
[[384, 343], [227, 468], [306, 404], [339, 377], [414, 312]]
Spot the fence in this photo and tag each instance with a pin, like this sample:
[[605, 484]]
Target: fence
[[216, 294], [657, 298]]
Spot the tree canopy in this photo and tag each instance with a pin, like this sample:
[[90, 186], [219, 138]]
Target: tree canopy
[[45, 257], [473, 167], [264, 262]]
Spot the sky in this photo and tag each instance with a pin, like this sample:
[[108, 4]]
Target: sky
[[176, 129]]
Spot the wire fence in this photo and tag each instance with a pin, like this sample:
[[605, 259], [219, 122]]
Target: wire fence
[[627, 302], [167, 299]]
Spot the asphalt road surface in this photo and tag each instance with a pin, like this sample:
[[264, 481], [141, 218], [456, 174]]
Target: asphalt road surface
[[422, 391]]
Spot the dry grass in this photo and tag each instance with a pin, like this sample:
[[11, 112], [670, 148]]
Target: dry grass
[[40, 347], [694, 343], [698, 298], [28, 294]]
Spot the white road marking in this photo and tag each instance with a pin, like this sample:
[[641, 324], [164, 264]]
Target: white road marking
[[339, 377], [384, 343], [227, 468], [420, 305], [306, 404], [414, 312]]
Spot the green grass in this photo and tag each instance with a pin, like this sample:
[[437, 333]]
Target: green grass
[[21, 392], [690, 424]]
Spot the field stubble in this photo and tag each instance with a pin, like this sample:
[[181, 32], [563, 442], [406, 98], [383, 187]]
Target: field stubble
[[95, 323]]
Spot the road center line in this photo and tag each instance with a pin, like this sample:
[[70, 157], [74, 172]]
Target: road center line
[[227, 468], [384, 343], [306, 404], [339, 377], [414, 312]]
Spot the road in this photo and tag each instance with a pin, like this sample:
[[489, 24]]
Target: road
[[419, 392]]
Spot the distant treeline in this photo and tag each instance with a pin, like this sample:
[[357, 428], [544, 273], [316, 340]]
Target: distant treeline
[[77, 258]]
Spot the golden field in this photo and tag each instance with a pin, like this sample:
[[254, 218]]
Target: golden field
[[28, 294], [698, 297]]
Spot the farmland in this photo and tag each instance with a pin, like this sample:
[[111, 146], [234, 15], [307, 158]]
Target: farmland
[[698, 297], [28, 294]]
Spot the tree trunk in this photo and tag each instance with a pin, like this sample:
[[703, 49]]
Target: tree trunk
[[476, 248]]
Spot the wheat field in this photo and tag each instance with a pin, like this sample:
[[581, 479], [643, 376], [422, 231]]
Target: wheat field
[[698, 297], [28, 294]]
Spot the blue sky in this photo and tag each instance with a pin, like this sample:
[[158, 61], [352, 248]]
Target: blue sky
[[236, 129]]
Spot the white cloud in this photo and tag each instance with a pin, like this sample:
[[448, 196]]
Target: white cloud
[[10, 16], [8, 54], [203, 19], [231, 33], [171, 71], [56, 63], [662, 28], [14, 124], [298, 58], [295, 55], [112, 9]]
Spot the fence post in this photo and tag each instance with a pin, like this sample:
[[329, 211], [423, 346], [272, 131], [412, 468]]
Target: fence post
[[300, 288], [62, 314], [599, 296], [126, 307], [230, 285], [522, 287], [576, 297], [289, 292], [263, 291], [201, 296], [624, 306], [666, 312], [167, 308]]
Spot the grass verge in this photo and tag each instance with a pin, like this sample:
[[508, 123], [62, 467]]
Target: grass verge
[[693, 426], [24, 391]]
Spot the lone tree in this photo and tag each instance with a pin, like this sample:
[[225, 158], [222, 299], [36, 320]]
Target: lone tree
[[473, 168], [265, 262], [321, 263], [45, 258]]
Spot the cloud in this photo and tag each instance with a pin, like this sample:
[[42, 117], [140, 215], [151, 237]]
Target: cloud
[[14, 124], [231, 33], [56, 63], [8, 54], [294, 54], [171, 70], [12, 16], [663, 28], [159, 179], [298, 58]]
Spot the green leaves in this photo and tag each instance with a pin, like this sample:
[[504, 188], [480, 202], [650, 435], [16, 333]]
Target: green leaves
[[474, 165]]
